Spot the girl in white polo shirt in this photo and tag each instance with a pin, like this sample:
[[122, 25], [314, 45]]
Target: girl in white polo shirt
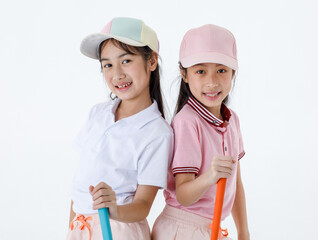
[[208, 142], [126, 144]]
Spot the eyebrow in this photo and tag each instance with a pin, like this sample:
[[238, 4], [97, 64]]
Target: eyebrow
[[120, 56], [204, 65]]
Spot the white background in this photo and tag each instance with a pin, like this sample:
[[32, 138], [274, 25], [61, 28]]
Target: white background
[[47, 88]]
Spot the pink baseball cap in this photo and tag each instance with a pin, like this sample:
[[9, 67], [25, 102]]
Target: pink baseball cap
[[208, 44]]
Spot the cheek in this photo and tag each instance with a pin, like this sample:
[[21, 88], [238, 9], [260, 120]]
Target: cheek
[[136, 72], [107, 79], [194, 85], [195, 90], [141, 75], [227, 86], [229, 83]]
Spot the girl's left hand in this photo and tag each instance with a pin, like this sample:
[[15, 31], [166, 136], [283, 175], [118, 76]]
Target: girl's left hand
[[104, 196]]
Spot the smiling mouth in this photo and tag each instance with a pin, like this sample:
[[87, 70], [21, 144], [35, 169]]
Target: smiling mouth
[[212, 95], [123, 86]]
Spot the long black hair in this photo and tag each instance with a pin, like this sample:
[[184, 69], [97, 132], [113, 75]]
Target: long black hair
[[146, 53]]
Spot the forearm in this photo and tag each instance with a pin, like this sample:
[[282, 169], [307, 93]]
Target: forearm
[[239, 212], [103, 196], [72, 214], [191, 191], [134, 212]]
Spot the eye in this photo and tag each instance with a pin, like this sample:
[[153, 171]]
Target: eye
[[200, 71], [126, 61], [221, 71], [107, 65]]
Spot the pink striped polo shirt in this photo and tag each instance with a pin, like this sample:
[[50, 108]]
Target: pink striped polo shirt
[[199, 136]]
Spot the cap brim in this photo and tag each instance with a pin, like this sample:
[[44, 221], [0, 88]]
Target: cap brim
[[209, 57], [90, 44]]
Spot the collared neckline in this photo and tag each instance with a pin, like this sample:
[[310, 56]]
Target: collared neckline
[[141, 118], [208, 116]]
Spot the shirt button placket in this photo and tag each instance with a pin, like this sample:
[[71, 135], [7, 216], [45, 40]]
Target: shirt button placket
[[226, 145]]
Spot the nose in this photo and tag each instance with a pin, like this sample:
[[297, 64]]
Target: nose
[[118, 73], [212, 80]]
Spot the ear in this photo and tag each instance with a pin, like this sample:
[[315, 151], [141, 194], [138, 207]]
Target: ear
[[153, 62], [183, 74]]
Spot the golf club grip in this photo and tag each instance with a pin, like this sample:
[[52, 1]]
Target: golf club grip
[[104, 223], [220, 190]]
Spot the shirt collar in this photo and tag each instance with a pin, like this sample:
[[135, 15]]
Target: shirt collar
[[141, 118], [208, 116]]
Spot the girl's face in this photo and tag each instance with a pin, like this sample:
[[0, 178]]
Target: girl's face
[[210, 83], [127, 75]]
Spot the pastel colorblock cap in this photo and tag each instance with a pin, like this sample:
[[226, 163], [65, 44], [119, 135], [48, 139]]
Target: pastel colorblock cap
[[130, 31], [208, 44]]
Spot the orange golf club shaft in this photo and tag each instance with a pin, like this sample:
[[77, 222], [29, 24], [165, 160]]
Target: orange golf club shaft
[[220, 190]]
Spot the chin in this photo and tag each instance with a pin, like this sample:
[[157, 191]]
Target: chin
[[124, 97]]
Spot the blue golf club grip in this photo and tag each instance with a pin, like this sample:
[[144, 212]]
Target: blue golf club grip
[[104, 223]]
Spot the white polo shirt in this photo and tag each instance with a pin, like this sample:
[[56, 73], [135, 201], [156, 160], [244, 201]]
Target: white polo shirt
[[132, 151]]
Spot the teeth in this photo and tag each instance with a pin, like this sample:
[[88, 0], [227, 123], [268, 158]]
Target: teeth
[[126, 85], [212, 95]]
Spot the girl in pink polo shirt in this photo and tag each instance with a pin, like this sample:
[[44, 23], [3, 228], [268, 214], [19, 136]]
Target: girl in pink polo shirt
[[208, 141]]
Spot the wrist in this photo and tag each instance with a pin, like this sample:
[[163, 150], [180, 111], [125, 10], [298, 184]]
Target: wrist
[[209, 179], [243, 235], [114, 213]]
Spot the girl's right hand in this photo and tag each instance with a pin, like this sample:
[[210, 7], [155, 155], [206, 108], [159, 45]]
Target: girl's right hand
[[221, 167], [104, 197]]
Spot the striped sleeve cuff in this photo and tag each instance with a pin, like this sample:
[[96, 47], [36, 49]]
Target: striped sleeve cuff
[[241, 155], [185, 170]]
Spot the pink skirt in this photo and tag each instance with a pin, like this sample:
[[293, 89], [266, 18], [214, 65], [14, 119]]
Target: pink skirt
[[177, 224], [87, 227]]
